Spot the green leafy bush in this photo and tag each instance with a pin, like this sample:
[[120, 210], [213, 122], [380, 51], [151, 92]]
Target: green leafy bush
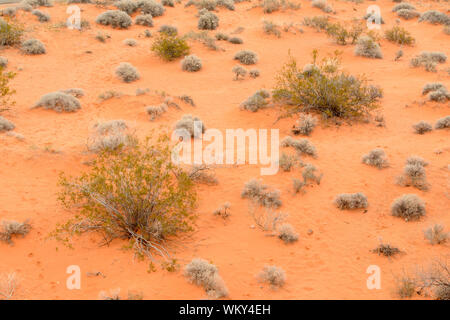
[[399, 35], [170, 47], [10, 33]]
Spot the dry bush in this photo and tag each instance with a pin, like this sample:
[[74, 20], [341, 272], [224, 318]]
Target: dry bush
[[168, 3], [6, 125], [259, 100], [126, 72], [113, 294], [286, 232], [302, 146], [228, 4], [202, 273], [59, 101], [222, 36], [348, 201], [114, 18], [432, 86], [273, 275], [414, 175], [403, 5], [239, 72], [406, 287], [254, 73], [399, 35], [408, 14], [287, 161], [191, 63], [42, 16], [408, 206], [428, 60], [258, 193], [309, 174], [187, 99], [100, 36], [109, 135], [10, 33], [208, 21], [322, 5], [192, 125], [109, 94], [203, 174], [12, 229], [343, 35], [246, 57], [130, 42], [320, 23], [446, 30], [386, 250], [435, 17], [304, 125], [439, 95], [170, 47], [376, 158], [168, 30], [235, 40], [270, 6], [416, 160], [9, 11], [37, 3], [442, 123], [144, 20], [151, 7], [422, 127], [223, 210], [298, 185], [367, 47], [33, 46], [8, 286], [271, 28], [156, 111], [203, 38], [436, 280], [76, 92], [3, 62], [436, 235]]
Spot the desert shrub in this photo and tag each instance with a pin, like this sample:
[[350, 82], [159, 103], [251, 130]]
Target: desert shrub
[[386, 250], [254, 73], [348, 201], [209, 5], [446, 30], [304, 125], [320, 23], [170, 47], [109, 94], [416, 160], [273, 275], [33, 46], [442, 123], [6, 92], [168, 3], [151, 7], [203, 38], [168, 30], [286, 232], [399, 35], [42, 16], [102, 36], [12, 229], [187, 99], [203, 174], [287, 161], [422, 126], [406, 287], [156, 111], [6, 125], [436, 280], [110, 136], [76, 92], [58, 101], [342, 35], [114, 18], [9, 11], [428, 60], [309, 174], [270, 6], [130, 42], [126, 72], [298, 185], [367, 47], [235, 40], [258, 193], [376, 158], [144, 20], [256, 101], [239, 71], [413, 175], [409, 207], [223, 210], [439, 95], [3, 62], [432, 86], [208, 21], [8, 285], [119, 201], [193, 125], [37, 3], [302, 146], [191, 63], [322, 5], [111, 295], [246, 57], [408, 14], [222, 36], [324, 89], [202, 273], [228, 4], [271, 28], [403, 5], [436, 235], [435, 17]]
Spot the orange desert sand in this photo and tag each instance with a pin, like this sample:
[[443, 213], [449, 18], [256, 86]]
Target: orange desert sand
[[330, 263]]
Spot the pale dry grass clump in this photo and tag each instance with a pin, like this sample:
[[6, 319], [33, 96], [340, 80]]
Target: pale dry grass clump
[[203, 174], [37, 3], [191, 63], [208, 21], [109, 135], [113, 294], [432, 86], [246, 57], [258, 193], [109, 94], [202, 273], [309, 174], [239, 72], [322, 5], [271, 28], [59, 101], [287, 161], [273, 275], [42, 16], [435, 17], [127, 72], [439, 95], [377, 158], [12, 229], [259, 100], [436, 234], [144, 20], [305, 124], [156, 111], [409, 207], [302, 146], [348, 201], [367, 47], [6, 125], [286, 232], [414, 175], [8, 286], [403, 5], [151, 7], [416, 160], [223, 210], [443, 123], [422, 127], [193, 125], [33, 46], [115, 18], [428, 60], [9, 11]]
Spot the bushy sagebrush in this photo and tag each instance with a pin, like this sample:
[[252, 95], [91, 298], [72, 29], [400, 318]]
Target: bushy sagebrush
[[110, 136], [12, 229], [42, 16], [367, 47], [144, 20], [256, 101], [246, 57], [286, 232], [435, 17], [100, 36], [114, 18], [258, 193], [302, 146], [168, 30], [287, 161], [168, 3], [192, 125], [416, 160], [348, 201], [439, 95], [428, 60], [170, 47], [191, 63], [343, 34], [309, 174], [304, 125], [228, 4], [222, 36], [432, 86], [6, 125], [273, 275], [130, 42], [414, 175], [320, 23], [239, 72], [156, 111], [409, 207], [33, 46], [422, 126], [271, 28], [37, 3], [443, 123], [376, 158], [322, 5], [235, 40], [76, 92], [408, 14], [151, 7], [403, 5], [202, 273], [436, 234], [399, 35], [127, 72], [59, 101], [270, 6], [208, 21]]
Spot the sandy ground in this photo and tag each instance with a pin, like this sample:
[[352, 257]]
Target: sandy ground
[[329, 264]]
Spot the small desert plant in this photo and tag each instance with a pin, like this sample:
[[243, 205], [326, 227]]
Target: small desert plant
[[443, 123], [319, 23], [408, 207], [144, 20], [8, 286], [239, 72], [109, 94], [414, 175], [170, 47], [322, 5], [191, 63], [432, 86], [256, 101], [428, 60], [203, 174], [406, 287], [115, 19], [168, 30], [403, 5], [422, 126], [258, 193], [9, 11], [235, 40], [109, 136], [254, 73], [33, 46], [168, 3], [439, 95], [11, 229], [223, 210], [228, 4], [42, 16], [298, 185], [309, 173], [156, 111], [126, 72], [416, 160], [37, 3], [102, 36], [408, 14], [191, 125], [367, 47], [6, 92], [151, 7], [246, 57], [342, 35], [271, 28], [435, 17], [6, 125], [59, 101], [436, 234], [399, 35], [3, 62], [304, 125], [111, 295], [348, 201], [273, 275], [222, 36], [376, 158], [436, 279], [130, 42], [287, 233], [127, 6], [208, 21], [302, 146], [202, 273], [287, 161], [386, 250]]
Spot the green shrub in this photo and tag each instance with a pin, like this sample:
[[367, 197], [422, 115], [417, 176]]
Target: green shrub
[[6, 92], [170, 47], [399, 35], [324, 89], [10, 33], [133, 193]]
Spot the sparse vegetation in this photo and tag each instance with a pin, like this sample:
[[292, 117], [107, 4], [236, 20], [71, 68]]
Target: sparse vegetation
[[6, 125], [254, 73], [349, 201], [170, 47], [386, 250], [144, 20], [202, 273], [436, 234], [287, 233], [414, 175], [10, 229], [42, 16], [191, 125], [130, 42], [428, 60], [376, 158], [273, 275], [115, 18], [408, 14], [223, 210], [239, 72], [367, 47], [304, 125], [246, 57], [409, 207], [442, 123], [191, 63], [59, 101], [435, 17], [8, 286], [322, 5], [287, 161], [168, 30], [126, 72], [302, 146], [256, 101], [208, 21], [156, 111], [271, 28], [422, 127], [309, 174], [399, 35], [33, 46]]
